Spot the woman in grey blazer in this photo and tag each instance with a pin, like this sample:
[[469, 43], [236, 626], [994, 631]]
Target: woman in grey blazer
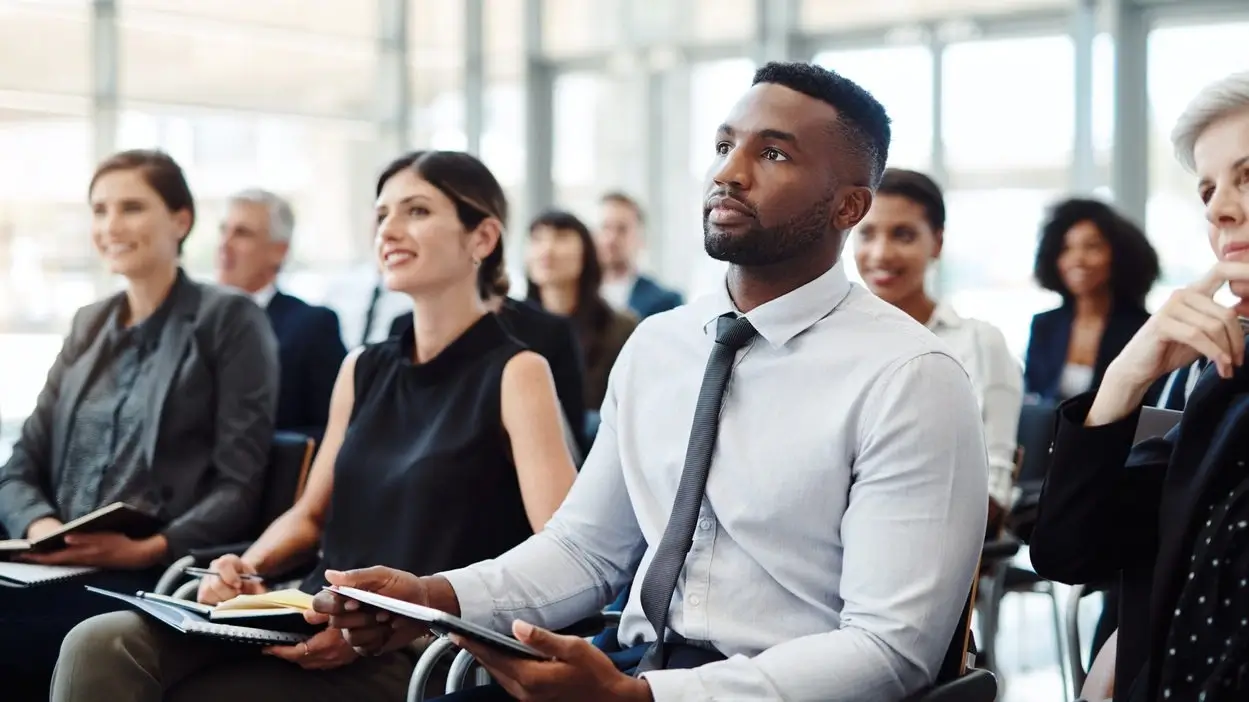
[[163, 397]]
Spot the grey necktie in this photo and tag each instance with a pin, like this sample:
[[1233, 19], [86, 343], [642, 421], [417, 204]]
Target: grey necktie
[[660, 581]]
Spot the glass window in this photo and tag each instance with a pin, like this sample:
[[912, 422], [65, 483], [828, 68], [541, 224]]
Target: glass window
[[994, 118], [168, 59], [324, 169], [1103, 98], [841, 14], [579, 27], [987, 258], [45, 48], [344, 18], [1182, 60], [715, 86], [901, 78]]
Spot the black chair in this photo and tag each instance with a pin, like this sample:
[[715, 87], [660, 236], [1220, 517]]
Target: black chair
[[290, 457]]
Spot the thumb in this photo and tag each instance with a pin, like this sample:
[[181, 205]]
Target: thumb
[[564, 648], [371, 579]]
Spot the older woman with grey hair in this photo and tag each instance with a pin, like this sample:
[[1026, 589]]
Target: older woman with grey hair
[[1170, 516]]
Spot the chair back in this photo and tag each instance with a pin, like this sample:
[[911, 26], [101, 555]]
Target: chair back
[[954, 665], [290, 457], [1037, 422]]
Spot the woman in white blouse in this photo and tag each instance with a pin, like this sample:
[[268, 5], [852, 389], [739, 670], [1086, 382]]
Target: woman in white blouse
[[894, 245]]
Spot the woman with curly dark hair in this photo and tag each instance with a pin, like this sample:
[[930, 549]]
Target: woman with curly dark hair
[[1103, 267]]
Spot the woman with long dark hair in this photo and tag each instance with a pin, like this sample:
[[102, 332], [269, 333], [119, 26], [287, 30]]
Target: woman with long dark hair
[[564, 278]]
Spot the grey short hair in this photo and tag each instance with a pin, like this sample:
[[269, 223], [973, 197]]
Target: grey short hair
[[1217, 100], [281, 216]]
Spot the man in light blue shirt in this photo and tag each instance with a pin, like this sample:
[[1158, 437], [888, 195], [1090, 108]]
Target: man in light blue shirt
[[815, 534]]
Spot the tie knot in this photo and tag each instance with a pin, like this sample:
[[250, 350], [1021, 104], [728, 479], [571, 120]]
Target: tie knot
[[733, 331]]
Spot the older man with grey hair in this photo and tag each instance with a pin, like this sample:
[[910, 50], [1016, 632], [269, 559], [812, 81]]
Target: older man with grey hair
[[255, 240]]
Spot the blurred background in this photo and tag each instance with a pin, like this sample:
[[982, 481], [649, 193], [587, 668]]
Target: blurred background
[[1010, 104]]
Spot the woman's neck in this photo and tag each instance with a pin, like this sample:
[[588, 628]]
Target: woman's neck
[[559, 299], [145, 294], [1093, 306], [919, 306], [440, 319]]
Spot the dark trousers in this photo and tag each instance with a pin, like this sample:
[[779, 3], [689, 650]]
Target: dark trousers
[[34, 620], [679, 656]]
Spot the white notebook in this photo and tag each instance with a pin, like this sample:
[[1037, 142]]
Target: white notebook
[[27, 574]]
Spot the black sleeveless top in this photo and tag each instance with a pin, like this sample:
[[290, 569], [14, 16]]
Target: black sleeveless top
[[424, 481]]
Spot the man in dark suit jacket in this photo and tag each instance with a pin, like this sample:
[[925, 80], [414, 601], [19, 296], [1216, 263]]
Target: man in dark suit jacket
[[619, 239], [255, 239], [549, 336]]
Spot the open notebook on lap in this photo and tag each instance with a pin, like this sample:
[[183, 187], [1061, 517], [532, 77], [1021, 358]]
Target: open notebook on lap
[[262, 625]]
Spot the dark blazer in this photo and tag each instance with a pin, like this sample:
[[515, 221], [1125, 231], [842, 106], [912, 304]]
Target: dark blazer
[[549, 336], [210, 426], [649, 297], [1051, 335], [1109, 510], [310, 350]]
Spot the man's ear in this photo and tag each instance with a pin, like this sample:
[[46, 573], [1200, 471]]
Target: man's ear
[[852, 208], [939, 235]]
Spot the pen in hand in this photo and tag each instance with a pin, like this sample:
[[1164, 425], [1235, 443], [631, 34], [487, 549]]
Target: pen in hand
[[206, 573]]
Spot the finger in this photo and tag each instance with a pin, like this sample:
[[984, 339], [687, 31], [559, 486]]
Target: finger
[[371, 579], [1223, 272], [228, 573], [371, 639], [1184, 325], [1228, 321], [361, 620], [316, 618], [564, 648], [327, 602], [286, 653]]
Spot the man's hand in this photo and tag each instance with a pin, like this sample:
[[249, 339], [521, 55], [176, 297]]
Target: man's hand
[[577, 670], [106, 550], [228, 584], [42, 527], [325, 651], [372, 632]]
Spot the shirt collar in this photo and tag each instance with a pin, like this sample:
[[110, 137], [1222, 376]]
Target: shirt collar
[[787, 316], [943, 316], [265, 295]]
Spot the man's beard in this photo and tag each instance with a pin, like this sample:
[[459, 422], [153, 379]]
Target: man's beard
[[763, 246]]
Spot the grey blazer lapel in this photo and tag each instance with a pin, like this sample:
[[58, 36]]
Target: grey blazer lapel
[[175, 343]]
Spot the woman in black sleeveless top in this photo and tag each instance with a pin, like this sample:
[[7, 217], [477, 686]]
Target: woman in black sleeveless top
[[444, 447]]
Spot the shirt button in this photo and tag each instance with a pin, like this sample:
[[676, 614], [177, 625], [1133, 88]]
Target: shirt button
[[695, 600], [705, 524]]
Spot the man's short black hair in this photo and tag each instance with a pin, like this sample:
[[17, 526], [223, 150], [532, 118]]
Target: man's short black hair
[[862, 118], [919, 189], [1134, 264]]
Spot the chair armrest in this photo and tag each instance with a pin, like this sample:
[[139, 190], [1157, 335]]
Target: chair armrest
[[976, 686], [437, 650], [1000, 549]]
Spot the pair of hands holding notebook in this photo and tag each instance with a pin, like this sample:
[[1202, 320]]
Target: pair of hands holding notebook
[[324, 651], [108, 550], [574, 669]]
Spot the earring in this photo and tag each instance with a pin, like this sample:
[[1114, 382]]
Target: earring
[[476, 262]]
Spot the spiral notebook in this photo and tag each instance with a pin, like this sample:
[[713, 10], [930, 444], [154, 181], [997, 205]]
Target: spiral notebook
[[31, 574], [196, 624]]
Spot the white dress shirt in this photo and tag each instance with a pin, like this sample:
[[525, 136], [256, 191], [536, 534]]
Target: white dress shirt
[[265, 295], [844, 512], [998, 381], [617, 292]]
